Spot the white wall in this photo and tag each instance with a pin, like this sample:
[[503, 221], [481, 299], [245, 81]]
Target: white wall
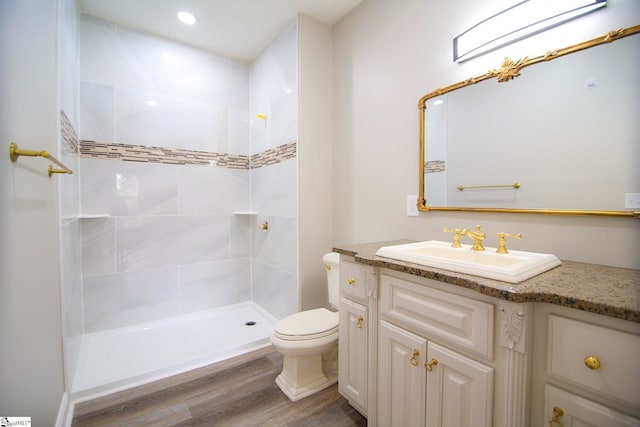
[[31, 367], [387, 54], [314, 159]]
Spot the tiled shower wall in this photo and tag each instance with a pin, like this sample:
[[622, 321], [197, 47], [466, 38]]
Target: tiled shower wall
[[166, 158], [274, 187]]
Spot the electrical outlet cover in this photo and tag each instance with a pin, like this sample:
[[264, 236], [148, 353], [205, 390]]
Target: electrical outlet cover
[[632, 200], [412, 205]]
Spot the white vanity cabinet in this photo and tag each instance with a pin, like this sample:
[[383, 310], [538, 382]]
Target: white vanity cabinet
[[589, 369], [357, 286], [415, 351], [422, 381]]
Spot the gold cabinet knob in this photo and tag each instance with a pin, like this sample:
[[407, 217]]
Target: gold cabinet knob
[[328, 267], [592, 362], [351, 281], [359, 322], [264, 226], [429, 365], [555, 421], [414, 357]]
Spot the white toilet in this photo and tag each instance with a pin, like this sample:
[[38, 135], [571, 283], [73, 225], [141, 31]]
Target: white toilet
[[308, 340]]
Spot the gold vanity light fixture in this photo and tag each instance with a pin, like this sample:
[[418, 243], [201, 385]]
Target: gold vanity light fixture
[[518, 22], [509, 70]]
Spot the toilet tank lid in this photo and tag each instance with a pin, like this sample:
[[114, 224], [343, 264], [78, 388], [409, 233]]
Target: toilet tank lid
[[308, 322], [332, 258]]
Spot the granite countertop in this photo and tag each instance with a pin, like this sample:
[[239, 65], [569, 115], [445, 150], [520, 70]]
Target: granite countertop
[[610, 291]]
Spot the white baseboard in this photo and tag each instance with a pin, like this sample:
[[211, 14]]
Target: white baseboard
[[65, 411]]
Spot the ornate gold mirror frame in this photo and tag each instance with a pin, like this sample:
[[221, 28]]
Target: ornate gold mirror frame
[[509, 70]]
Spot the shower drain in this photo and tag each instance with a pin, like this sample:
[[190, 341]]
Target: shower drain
[[249, 323]]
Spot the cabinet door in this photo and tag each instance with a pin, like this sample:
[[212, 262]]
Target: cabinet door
[[353, 352], [401, 377], [459, 390], [569, 410]]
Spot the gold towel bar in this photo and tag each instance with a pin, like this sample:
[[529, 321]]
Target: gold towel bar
[[15, 152], [514, 185]]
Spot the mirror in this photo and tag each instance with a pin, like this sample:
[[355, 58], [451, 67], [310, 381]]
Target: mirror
[[559, 138]]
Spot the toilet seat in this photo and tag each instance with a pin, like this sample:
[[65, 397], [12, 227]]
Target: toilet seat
[[307, 325]]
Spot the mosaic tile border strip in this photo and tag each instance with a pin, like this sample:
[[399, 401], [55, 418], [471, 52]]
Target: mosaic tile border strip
[[274, 155], [434, 166], [69, 135], [174, 156]]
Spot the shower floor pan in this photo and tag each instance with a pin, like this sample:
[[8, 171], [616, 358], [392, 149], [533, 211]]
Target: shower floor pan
[[117, 359]]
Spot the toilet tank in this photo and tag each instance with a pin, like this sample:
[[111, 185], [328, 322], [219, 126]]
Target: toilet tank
[[332, 265]]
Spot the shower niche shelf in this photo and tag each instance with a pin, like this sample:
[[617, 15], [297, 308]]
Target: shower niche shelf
[[245, 213], [85, 216]]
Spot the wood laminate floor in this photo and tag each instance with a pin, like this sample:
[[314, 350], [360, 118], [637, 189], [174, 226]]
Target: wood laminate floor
[[236, 392]]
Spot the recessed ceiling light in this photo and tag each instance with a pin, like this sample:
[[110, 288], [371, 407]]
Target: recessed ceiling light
[[186, 18]]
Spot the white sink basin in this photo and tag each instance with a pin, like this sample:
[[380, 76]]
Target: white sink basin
[[514, 267]]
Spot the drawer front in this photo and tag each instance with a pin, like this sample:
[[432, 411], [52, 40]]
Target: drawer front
[[463, 321], [353, 279], [566, 409], [617, 354]]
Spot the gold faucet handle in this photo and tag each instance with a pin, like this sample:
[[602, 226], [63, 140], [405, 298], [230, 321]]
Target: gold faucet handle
[[456, 236], [502, 243]]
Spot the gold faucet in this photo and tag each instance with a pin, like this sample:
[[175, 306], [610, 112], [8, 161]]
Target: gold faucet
[[456, 236], [502, 243], [478, 236]]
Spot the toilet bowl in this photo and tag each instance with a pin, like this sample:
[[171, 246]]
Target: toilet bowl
[[308, 340]]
